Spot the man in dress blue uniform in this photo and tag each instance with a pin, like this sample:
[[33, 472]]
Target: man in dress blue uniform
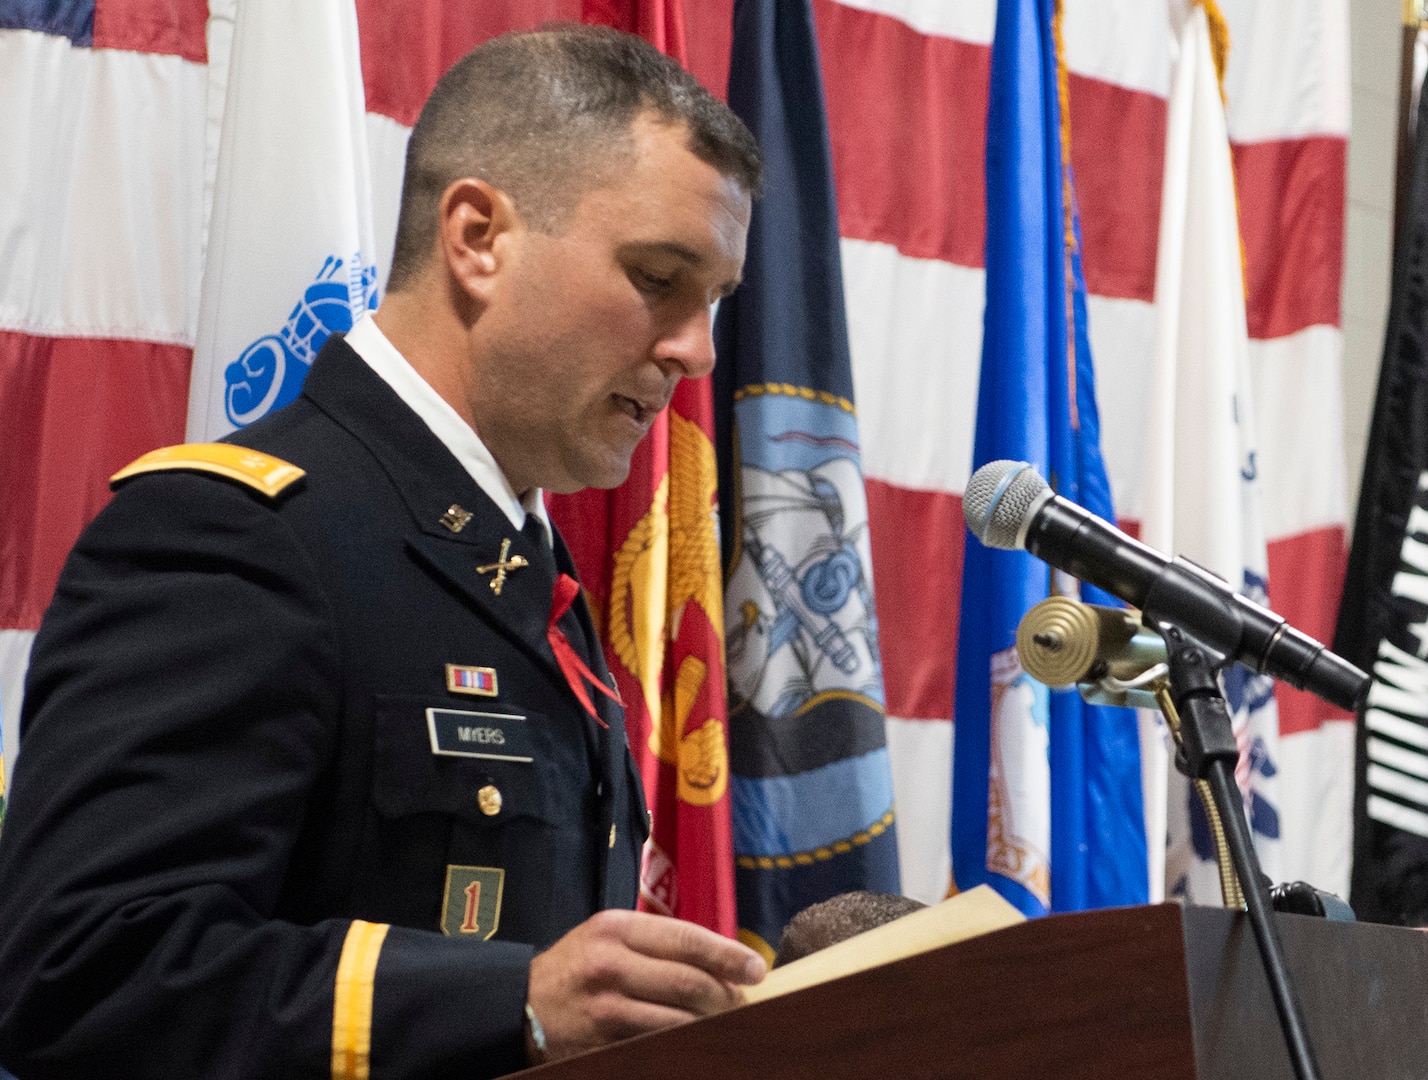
[[322, 772]]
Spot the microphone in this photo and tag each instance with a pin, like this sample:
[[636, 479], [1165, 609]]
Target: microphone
[[1008, 505]]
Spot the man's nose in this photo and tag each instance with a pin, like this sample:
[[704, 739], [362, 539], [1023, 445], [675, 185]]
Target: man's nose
[[688, 349]]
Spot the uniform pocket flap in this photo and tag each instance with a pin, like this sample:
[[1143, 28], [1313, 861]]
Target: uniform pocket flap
[[482, 765]]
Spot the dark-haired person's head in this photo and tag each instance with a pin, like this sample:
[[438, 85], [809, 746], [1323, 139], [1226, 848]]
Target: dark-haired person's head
[[545, 116], [574, 204], [839, 919]]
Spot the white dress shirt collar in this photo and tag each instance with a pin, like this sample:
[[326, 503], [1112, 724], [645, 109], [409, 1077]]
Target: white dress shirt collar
[[368, 342]]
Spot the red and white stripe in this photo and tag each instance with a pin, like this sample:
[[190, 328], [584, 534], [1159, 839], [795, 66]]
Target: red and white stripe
[[101, 220]]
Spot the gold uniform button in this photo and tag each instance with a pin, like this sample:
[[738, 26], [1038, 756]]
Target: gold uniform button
[[489, 798], [612, 836]]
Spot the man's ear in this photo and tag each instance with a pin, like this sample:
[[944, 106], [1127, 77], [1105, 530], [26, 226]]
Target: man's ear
[[472, 216]]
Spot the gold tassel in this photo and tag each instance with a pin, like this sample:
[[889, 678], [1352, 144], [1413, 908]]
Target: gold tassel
[[1219, 42], [1063, 97], [1220, 52]]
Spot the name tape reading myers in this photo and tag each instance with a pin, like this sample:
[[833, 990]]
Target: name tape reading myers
[[494, 736], [1397, 710]]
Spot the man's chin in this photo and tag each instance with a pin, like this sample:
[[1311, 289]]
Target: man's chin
[[603, 475]]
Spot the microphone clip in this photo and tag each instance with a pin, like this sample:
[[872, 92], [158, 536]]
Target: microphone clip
[[1206, 731]]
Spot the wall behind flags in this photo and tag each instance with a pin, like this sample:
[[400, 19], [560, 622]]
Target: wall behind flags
[[1376, 43], [107, 153]]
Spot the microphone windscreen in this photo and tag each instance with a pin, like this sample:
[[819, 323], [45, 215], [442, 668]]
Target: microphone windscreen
[[999, 497]]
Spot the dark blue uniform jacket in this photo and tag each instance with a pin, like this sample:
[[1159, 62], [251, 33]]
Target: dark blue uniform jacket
[[239, 738]]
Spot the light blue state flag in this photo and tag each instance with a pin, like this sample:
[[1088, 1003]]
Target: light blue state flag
[[1046, 791]]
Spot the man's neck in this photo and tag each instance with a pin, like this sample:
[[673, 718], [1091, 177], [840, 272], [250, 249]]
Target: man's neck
[[422, 333]]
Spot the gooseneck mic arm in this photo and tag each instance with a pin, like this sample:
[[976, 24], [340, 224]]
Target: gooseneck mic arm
[[1007, 505]]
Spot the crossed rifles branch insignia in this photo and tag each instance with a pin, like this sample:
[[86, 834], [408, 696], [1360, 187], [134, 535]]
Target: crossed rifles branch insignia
[[504, 562]]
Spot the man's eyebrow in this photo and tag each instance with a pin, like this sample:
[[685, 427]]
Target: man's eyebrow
[[667, 247]]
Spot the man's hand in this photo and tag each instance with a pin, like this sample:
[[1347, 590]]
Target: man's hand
[[623, 973]]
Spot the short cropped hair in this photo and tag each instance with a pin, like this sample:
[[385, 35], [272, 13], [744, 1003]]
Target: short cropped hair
[[838, 919], [545, 116]]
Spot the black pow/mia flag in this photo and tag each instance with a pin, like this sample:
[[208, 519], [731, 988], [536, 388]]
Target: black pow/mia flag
[[1383, 616]]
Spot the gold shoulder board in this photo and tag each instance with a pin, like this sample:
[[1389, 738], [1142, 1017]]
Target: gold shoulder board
[[261, 472]]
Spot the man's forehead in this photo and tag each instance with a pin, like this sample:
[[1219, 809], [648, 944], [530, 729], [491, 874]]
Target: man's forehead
[[653, 138], [666, 179]]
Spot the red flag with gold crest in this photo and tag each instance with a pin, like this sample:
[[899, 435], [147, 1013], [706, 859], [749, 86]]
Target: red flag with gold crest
[[648, 554]]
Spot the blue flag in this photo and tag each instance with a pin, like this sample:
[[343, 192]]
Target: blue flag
[[812, 784], [1046, 796]]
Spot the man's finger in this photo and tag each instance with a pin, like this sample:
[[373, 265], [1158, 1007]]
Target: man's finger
[[684, 987], [685, 943]]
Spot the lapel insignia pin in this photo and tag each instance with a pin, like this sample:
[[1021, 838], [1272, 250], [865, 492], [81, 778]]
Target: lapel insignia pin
[[456, 518], [461, 679], [501, 565]]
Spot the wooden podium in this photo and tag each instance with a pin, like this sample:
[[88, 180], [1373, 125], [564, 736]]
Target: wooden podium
[[1160, 993]]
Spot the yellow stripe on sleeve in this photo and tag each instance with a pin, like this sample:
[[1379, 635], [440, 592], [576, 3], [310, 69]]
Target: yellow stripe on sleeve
[[352, 1000]]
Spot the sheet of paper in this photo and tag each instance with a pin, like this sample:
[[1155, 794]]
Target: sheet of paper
[[966, 915]]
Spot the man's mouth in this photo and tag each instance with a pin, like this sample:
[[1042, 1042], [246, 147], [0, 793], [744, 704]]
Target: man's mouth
[[641, 412]]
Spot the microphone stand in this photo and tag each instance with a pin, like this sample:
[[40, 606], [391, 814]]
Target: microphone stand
[[1210, 752]]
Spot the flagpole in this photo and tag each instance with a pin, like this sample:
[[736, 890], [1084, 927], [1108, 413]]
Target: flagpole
[[1403, 179]]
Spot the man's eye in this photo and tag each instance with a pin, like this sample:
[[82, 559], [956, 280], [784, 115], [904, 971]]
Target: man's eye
[[652, 282]]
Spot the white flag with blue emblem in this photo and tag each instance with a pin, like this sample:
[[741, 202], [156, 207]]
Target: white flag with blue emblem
[[1203, 495], [290, 245]]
